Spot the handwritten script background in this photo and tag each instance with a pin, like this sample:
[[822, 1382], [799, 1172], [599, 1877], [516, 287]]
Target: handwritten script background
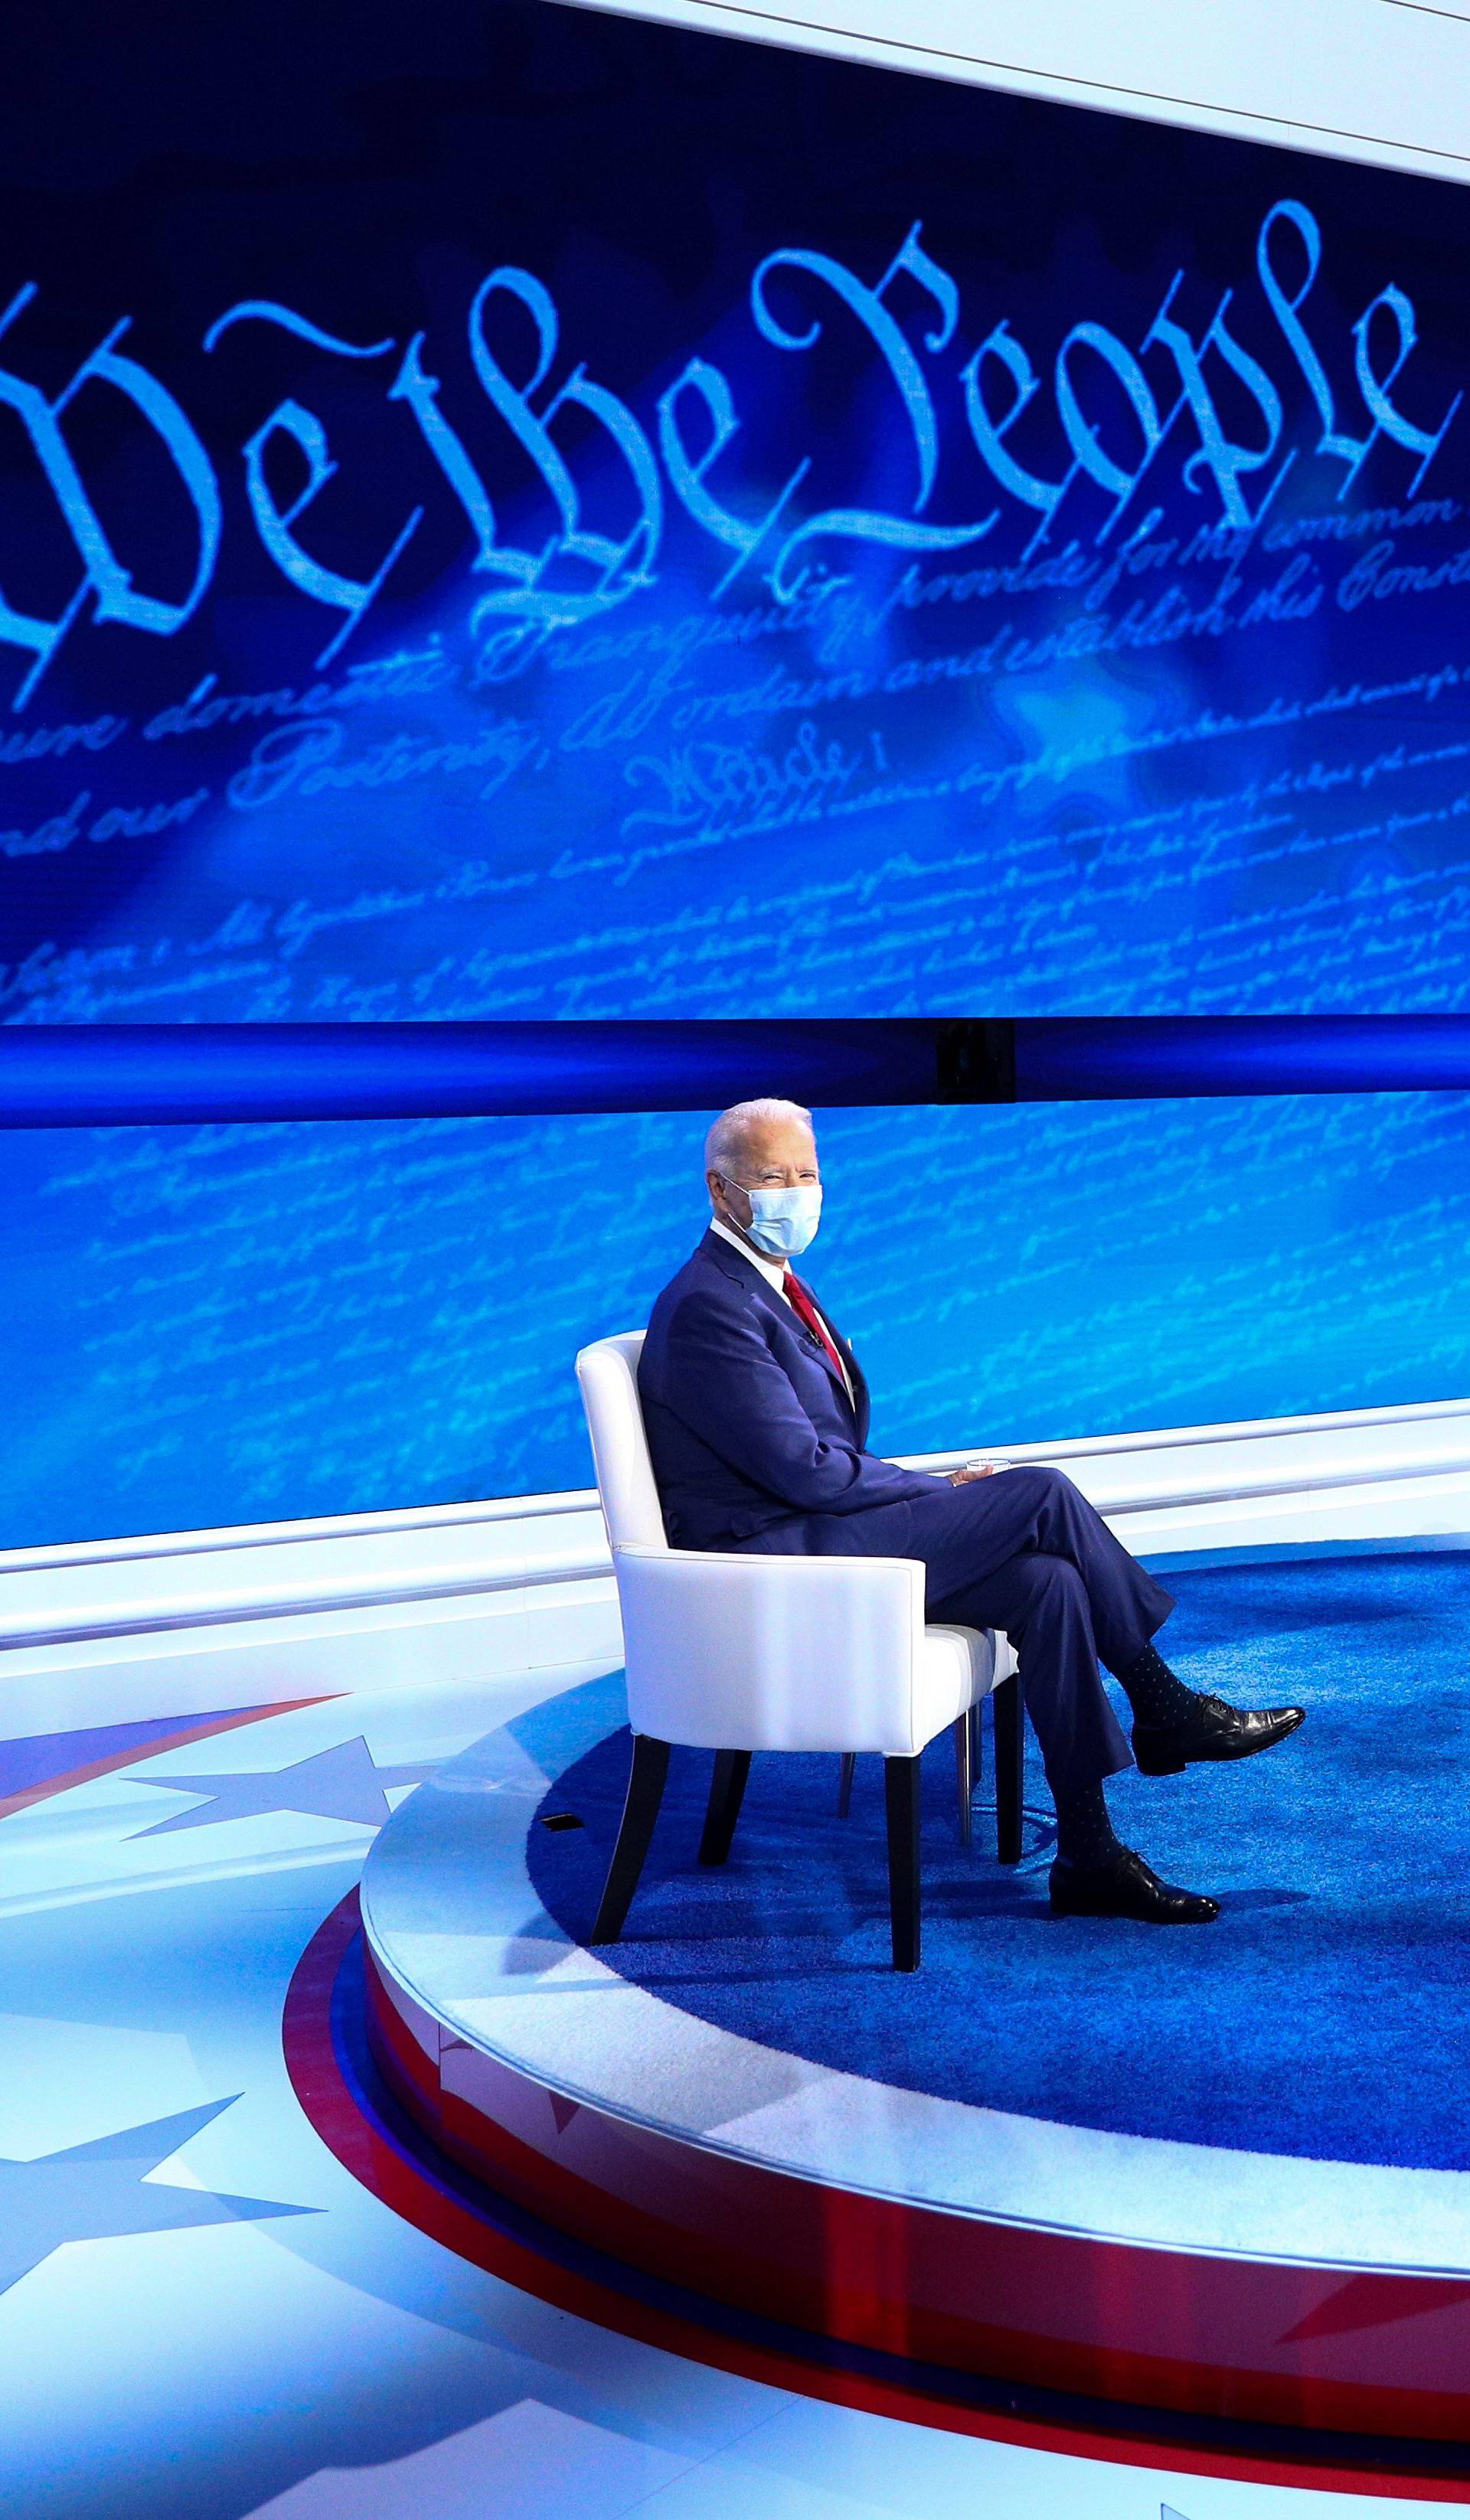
[[523, 515]]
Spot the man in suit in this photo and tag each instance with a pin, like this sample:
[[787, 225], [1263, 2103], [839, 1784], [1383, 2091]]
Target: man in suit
[[757, 1417]]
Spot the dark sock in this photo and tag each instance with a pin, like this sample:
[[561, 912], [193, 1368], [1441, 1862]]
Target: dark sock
[[1156, 1694], [1085, 1833]]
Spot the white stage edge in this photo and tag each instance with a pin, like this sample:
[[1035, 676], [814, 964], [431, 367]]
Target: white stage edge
[[456, 1924], [109, 1632]]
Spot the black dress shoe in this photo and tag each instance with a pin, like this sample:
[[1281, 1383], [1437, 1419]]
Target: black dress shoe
[[1125, 1887], [1212, 1730]]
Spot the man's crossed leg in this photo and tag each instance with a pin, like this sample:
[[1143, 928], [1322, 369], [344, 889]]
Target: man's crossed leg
[[1024, 1551]]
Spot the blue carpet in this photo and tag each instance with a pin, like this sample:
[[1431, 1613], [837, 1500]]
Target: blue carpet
[[1327, 2013]]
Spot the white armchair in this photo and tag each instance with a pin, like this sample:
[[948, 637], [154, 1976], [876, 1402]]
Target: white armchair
[[734, 1651]]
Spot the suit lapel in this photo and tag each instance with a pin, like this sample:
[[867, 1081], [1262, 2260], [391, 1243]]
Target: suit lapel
[[816, 1348], [745, 1273], [860, 1394]]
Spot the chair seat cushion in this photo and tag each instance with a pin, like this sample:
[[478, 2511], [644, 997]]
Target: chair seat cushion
[[957, 1666]]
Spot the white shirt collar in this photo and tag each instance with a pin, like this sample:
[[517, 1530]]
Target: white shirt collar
[[772, 1271]]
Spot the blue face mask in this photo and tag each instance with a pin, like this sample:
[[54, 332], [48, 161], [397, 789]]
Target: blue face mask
[[783, 1221]]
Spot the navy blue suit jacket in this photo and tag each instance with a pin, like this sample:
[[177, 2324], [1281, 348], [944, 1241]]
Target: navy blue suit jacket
[[748, 1422]]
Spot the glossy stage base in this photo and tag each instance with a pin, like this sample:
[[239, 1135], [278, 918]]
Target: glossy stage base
[[1236, 2285]]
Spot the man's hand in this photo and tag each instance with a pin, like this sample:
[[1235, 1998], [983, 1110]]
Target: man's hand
[[969, 1470]]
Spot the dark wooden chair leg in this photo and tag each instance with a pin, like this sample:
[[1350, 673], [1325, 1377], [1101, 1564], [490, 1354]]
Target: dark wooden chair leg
[[964, 1749], [900, 1779], [726, 1794], [845, 1784], [1010, 1768], [645, 1792]]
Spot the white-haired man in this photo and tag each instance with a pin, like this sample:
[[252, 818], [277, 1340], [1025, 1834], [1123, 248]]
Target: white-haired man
[[758, 1418]]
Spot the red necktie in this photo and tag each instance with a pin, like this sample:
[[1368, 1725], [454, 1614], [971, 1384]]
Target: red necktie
[[806, 1310]]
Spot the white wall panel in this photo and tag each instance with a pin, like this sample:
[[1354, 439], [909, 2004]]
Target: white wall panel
[[117, 1632]]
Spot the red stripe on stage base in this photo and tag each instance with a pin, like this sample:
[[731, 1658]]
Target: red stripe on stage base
[[1233, 2339], [393, 2176]]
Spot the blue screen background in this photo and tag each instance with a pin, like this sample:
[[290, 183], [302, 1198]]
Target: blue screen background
[[249, 1323], [529, 515]]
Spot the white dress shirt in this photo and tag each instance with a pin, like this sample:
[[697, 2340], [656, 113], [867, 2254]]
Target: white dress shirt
[[774, 1274]]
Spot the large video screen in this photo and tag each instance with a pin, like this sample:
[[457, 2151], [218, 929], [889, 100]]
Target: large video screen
[[506, 511], [244, 1324]]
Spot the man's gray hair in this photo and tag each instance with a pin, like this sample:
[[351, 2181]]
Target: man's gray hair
[[723, 1144]]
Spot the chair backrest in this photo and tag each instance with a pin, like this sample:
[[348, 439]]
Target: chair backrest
[[608, 1375]]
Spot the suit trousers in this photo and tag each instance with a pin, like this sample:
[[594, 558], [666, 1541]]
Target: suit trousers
[[1023, 1550]]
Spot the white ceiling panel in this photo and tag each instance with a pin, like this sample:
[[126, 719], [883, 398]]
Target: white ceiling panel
[[1387, 81]]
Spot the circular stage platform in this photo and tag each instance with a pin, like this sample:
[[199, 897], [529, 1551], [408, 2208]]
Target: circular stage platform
[[1221, 2172]]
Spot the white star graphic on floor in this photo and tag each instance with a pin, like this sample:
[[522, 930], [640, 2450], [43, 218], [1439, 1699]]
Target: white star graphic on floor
[[340, 1784], [101, 2192]]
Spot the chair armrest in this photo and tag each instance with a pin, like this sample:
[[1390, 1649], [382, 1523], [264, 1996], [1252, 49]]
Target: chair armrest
[[730, 1650]]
